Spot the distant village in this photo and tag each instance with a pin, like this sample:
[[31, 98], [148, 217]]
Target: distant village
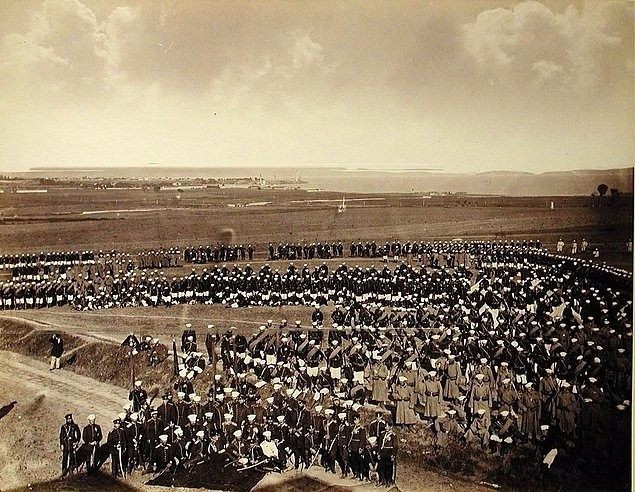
[[18, 185]]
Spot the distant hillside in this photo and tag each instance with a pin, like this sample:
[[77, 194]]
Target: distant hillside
[[390, 179], [579, 182]]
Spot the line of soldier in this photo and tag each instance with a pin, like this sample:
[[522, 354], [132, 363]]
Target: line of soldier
[[436, 253], [546, 350], [218, 253], [404, 286], [159, 258], [57, 258], [310, 251]]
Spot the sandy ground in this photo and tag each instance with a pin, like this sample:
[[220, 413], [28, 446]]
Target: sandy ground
[[29, 433]]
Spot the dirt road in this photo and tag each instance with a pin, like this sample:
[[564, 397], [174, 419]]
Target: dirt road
[[29, 433], [76, 391]]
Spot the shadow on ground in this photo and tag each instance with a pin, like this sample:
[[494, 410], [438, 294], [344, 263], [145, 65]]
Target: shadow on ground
[[7, 408], [80, 483]]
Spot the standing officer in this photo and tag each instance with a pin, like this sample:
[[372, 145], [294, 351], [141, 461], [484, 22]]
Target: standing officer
[[92, 436], [57, 349], [118, 448], [138, 396], [69, 441], [387, 456]]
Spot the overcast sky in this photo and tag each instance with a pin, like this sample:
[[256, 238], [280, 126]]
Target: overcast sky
[[461, 86]]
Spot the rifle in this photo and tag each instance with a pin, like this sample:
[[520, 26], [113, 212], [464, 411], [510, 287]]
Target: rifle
[[156, 393], [165, 468], [92, 456], [132, 378], [195, 464], [121, 467], [261, 462], [175, 357], [315, 455], [232, 462]]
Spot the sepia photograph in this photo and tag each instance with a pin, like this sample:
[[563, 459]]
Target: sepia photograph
[[316, 245]]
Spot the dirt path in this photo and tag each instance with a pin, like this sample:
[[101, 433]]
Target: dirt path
[[29, 450], [72, 389]]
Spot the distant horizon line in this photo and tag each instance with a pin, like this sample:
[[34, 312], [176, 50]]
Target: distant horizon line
[[307, 166]]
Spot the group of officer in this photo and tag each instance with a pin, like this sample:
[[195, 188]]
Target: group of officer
[[306, 251], [437, 253], [218, 253], [234, 424], [159, 258]]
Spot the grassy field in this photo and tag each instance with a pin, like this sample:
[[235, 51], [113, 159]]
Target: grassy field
[[133, 220]]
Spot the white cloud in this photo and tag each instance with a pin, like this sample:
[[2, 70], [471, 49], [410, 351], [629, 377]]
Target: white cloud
[[305, 52], [63, 48], [533, 43], [546, 70]]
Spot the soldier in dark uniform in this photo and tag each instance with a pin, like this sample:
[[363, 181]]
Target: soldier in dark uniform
[[167, 410], [138, 396], [357, 444], [152, 428], [377, 426], [118, 448], [343, 439], [329, 441], [92, 436], [387, 457], [134, 442], [162, 454], [69, 442]]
